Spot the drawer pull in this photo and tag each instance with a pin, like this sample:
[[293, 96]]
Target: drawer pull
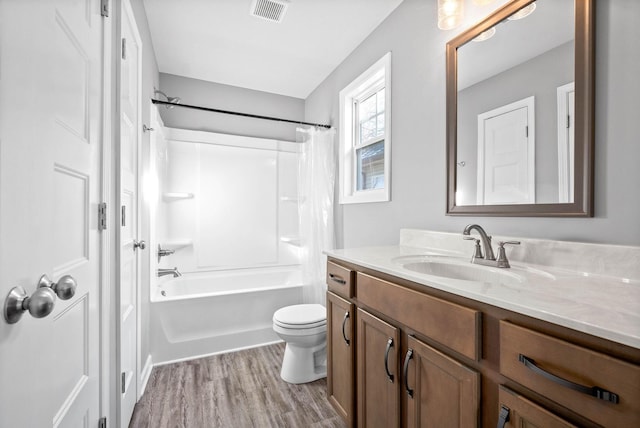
[[594, 391], [344, 321], [336, 278], [386, 359], [407, 358], [504, 416]]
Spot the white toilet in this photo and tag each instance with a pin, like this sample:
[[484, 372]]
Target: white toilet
[[304, 329]]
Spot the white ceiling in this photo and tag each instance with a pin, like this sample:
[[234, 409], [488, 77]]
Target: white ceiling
[[218, 41]]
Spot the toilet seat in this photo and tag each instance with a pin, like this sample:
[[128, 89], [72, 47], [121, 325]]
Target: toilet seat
[[299, 317]]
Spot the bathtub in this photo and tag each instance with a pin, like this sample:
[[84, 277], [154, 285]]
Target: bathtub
[[202, 314]]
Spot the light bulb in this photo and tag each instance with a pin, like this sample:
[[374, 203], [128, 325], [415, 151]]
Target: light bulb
[[485, 35], [450, 13], [523, 13]]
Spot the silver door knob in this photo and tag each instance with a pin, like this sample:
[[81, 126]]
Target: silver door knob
[[65, 288], [39, 304], [139, 244]]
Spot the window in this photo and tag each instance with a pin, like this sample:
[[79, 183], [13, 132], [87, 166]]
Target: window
[[365, 138]]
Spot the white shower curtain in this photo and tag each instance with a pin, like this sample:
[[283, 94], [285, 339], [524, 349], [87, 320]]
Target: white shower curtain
[[316, 176]]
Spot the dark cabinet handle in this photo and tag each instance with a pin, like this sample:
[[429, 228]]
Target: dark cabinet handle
[[344, 321], [336, 278], [386, 359], [405, 372], [593, 391], [504, 416]]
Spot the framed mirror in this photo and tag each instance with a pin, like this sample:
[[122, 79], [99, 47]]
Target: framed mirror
[[520, 112]]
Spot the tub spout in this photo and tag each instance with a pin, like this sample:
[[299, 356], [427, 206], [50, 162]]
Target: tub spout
[[174, 272]]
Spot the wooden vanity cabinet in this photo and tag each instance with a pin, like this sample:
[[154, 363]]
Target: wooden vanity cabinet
[[440, 391], [340, 356], [606, 390], [518, 412], [341, 341], [421, 357], [378, 397]]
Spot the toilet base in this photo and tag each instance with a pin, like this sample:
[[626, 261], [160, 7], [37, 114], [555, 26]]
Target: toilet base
[[302, 365]]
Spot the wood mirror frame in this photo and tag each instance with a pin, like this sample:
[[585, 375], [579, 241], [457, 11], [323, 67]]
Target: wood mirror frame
[[582, 205]]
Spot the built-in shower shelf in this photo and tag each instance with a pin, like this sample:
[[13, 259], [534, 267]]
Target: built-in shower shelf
[[293, 199], [176, 196], [176, 244], [292, 240]]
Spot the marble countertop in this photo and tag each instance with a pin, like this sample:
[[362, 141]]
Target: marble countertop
[[606, 306]]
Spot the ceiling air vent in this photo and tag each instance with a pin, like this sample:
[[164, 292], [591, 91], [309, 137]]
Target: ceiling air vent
[[271, 10]]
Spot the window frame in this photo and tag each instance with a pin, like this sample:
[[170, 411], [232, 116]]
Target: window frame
[[375, 78]]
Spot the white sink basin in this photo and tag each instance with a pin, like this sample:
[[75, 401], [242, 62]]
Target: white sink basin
[[462, 269]]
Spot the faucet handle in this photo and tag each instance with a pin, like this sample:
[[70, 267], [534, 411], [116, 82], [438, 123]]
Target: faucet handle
[[478, 251], [501, 259]]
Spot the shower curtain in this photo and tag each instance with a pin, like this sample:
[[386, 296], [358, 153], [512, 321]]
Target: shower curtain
[[316, 176]]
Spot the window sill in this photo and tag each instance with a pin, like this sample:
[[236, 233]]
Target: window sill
[[366, 197]]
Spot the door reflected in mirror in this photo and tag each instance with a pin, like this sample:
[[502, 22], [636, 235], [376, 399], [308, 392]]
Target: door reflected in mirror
[[520, 111]]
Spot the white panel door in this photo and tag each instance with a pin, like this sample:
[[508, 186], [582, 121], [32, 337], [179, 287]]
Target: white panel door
[[50, 181], [506, 155], [566, 142], [128, 290]]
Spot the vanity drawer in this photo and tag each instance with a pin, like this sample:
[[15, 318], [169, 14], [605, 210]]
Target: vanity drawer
[[340, 280], [556, 369], [452, 325]]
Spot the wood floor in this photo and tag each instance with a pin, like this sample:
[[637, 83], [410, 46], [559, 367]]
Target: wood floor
[[241, 389]]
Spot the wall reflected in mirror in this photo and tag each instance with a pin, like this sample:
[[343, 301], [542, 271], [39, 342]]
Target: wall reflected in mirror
[[515, 99]]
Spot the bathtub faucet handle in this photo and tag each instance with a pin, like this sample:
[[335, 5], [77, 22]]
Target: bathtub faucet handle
[[162, 252]]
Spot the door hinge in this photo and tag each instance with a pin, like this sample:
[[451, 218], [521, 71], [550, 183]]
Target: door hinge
[[124, 48], [568, 121], [526, 131], [102, 216], [102, 422], [124, 382], [104, 8], [124, 215]]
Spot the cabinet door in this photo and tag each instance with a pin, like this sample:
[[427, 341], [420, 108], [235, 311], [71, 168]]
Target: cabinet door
[[441, 392], [517, 411], [340, 356], [378, 379]]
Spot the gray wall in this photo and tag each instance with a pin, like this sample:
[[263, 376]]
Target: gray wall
[[418, 133], [150, 78], [225, 97], [539, 77]]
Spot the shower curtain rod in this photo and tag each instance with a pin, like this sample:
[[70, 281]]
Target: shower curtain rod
[[255, 116]]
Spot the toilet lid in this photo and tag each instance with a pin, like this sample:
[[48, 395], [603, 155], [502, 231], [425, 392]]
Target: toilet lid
[[302, 316]]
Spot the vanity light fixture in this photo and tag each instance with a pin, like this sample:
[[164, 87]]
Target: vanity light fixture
[[523, 13], [486, 35], [450, 13]]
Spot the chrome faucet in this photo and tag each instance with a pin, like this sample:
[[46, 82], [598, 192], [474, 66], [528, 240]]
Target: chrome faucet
[[488, 259], [164, 272]]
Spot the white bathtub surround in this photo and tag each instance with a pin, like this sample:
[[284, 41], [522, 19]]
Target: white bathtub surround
[[208, 313], [316, 176], [225, 197], [227, 208], [590, 288]]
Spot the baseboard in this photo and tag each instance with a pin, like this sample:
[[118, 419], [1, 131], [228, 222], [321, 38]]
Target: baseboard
[[226, 351], [145, 375]]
